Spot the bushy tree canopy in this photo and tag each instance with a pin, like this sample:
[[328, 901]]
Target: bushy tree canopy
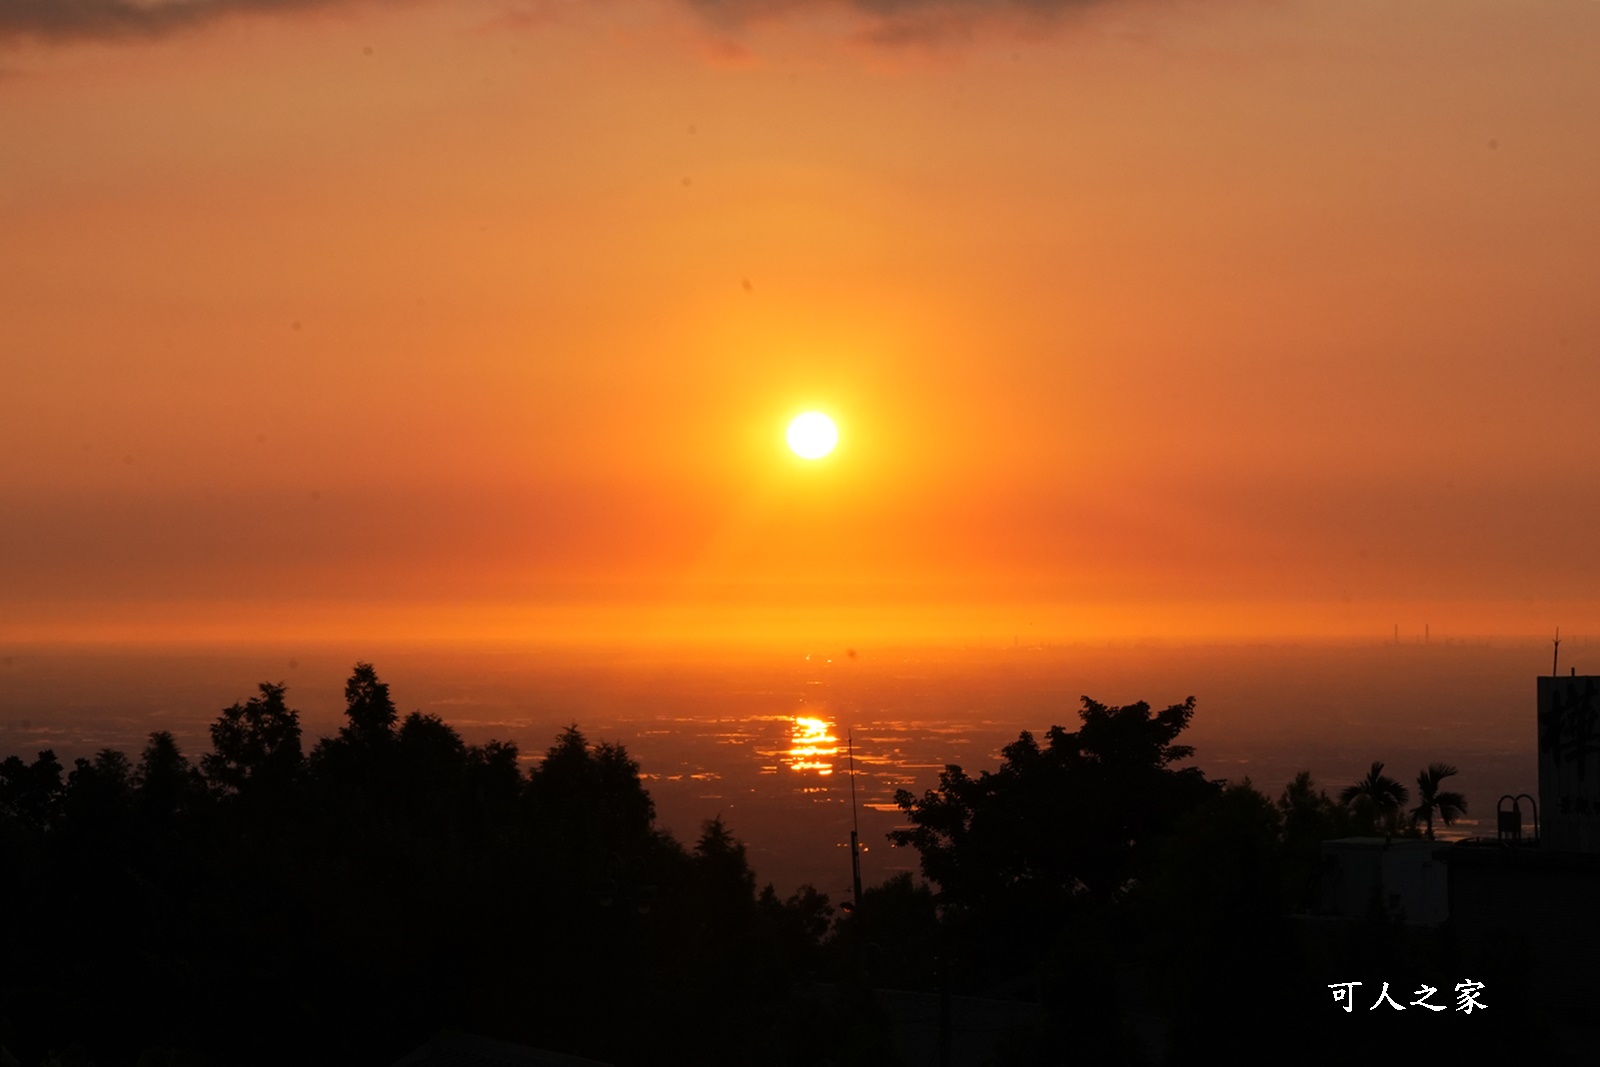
[[371, 712], [1070, 817], [255, 744]]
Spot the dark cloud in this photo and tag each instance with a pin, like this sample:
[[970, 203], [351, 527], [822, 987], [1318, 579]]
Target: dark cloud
[[87, 20], [890, 10], [60, 21], [897, 22]]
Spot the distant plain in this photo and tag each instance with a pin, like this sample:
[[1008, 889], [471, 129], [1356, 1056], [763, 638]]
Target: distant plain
[[760, 739]]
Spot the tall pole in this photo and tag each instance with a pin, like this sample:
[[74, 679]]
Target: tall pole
[[1555, 655], [855, 824]]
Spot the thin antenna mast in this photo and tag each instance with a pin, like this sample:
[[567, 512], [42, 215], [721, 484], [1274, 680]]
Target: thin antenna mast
[[855, 823], [1556, 654]]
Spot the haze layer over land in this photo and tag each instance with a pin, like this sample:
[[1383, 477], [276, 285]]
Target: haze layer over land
[[760, 740]]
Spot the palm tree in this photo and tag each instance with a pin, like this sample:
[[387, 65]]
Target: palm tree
[[1376, 796], [1447, 805]]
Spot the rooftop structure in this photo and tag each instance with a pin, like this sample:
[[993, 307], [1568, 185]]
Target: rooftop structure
[[1569, 763]]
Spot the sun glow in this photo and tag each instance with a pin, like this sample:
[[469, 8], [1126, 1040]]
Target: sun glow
[[812, 435]]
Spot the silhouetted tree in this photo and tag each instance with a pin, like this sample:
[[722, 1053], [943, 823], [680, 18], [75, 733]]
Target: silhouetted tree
[[356, 763], [1223, 863], [894, 934], [1309, 817], [430, 743], [255, 744], [1307, 812], [723, 918], [495, 772], [723, 868], [592, 797], [1057, 821], [262, 899], [164, 780], [1214, 926], [370, 710], [101, 790], [430, 771], [799, 924], [32, 792], [1377, 800], [1431, 800]]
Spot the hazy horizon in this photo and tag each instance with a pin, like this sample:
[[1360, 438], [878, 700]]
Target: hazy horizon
[[712, 733]]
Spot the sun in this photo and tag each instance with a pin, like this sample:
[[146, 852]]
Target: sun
[[812, 435]]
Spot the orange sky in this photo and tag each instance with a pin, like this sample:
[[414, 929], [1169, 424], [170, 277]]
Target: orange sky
[[484, 319]]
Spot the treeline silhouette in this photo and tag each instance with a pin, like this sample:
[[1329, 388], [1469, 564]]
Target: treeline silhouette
[[263, 904], [1156, 915], [269, 905]]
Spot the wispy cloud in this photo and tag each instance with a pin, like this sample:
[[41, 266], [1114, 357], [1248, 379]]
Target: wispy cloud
[[889, 21], [60, 21], [892, 16], [903, 24], [886, 8]]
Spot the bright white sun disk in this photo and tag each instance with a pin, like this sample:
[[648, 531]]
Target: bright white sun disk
[[812, 435]]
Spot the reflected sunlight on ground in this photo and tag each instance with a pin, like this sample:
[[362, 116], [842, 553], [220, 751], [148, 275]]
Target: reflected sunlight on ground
[[812, 745]]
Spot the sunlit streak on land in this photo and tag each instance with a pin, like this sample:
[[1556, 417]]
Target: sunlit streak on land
[[812, 745]]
